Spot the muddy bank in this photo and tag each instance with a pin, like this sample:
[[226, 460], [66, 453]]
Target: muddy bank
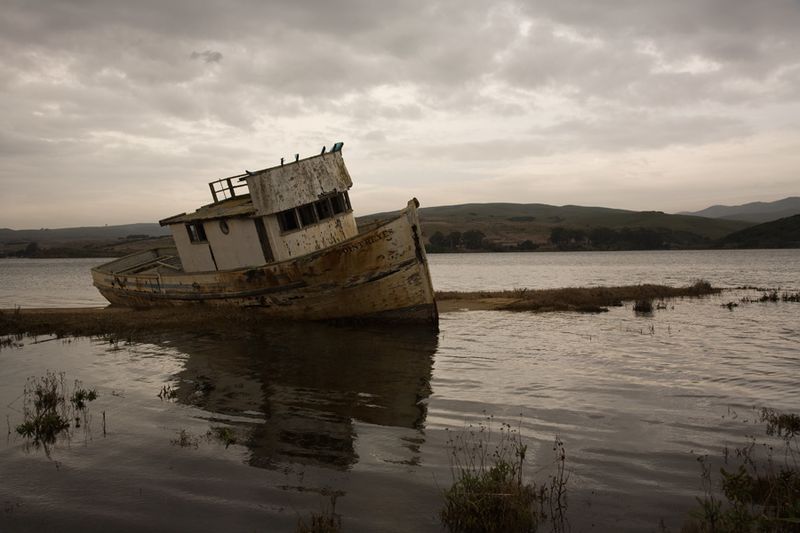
[[127, 324]]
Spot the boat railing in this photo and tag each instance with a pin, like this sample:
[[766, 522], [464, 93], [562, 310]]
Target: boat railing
[[226, 188]]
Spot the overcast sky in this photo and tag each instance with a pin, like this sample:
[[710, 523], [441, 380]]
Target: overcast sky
[[121, 111]]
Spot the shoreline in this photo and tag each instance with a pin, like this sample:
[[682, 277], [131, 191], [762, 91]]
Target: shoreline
[[129, 323]]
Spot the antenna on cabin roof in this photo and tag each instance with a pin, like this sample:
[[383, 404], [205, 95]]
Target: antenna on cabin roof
[[337, 147], [296, 157], [281, 161], [323, 151]]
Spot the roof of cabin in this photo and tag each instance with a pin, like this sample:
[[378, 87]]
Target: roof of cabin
[[239, 206]]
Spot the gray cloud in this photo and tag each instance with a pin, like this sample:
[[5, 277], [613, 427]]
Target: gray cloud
[[208, 56]]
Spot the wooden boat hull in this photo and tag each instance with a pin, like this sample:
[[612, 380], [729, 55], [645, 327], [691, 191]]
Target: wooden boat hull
[[381, 275]]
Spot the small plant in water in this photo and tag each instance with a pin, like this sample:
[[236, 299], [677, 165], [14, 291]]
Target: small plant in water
[[46, 410], [185, 440], [225, 435], [326, 521], [759, 493], [643, 306], [490, 492], [168, 392], [80, 397]]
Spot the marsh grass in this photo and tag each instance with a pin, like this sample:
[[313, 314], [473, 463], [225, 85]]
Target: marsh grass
[[49, 408], [186, 439], [325, 521], [585, 299], [225, 435], [772, 296], [168, 392], [643, 306], [221, 434], [490, 492], [11, 341], [758, 487]]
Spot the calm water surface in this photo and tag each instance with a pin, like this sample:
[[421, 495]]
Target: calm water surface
[[365, 411]]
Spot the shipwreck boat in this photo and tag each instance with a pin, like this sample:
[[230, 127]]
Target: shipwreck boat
[[284, 240]]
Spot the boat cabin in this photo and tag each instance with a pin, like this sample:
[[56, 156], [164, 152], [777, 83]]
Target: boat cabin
[[270, 215]]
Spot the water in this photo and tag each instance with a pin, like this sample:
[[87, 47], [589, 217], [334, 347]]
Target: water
[[723, 268], [365, 412], [48, 283]]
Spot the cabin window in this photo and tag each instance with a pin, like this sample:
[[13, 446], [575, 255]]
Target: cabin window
[[287, 220], [338, 205], [307, 213], [310, 214], [323, 209], [196, 232]]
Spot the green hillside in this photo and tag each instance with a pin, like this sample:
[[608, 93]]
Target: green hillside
[[783, 233]]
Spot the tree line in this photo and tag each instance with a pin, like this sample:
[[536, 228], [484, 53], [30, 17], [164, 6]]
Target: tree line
[[562, 238], [473, 241], [624, 239]]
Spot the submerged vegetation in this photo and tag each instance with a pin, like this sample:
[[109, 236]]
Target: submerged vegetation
[[767, 295], [490, 491], [758, 487]]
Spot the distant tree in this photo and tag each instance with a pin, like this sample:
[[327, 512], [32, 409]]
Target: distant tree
[[31, 250], [438, 240], [603, 237], [558, 235], [454, 239], [527, 245], [473, 239]]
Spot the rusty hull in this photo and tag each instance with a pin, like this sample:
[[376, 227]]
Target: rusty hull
[[379, 275]]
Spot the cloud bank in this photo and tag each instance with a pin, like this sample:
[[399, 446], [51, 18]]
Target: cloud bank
[[119, 111]]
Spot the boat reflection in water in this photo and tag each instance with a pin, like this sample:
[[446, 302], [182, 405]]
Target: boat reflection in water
[[294, 392]]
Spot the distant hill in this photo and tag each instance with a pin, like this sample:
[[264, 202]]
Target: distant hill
[[468, 227], [508, 225], [782, 233], [757, 212], [93, 233], [89, 241]]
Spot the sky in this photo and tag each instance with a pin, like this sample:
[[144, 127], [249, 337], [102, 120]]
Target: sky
[[116, 112]]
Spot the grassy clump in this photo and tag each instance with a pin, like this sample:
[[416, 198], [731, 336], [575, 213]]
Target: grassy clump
[[758, 492], [48, 408], [644, 306], [770, 295], [489, 491], [186, 439], [326, 521], [587, 299], [80, 397], [225, 435]]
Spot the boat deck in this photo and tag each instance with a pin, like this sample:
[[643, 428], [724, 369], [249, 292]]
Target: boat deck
[[155, 261]]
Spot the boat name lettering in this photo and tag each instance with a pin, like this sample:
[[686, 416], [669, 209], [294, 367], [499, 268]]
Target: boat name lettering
[[369, 240]]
